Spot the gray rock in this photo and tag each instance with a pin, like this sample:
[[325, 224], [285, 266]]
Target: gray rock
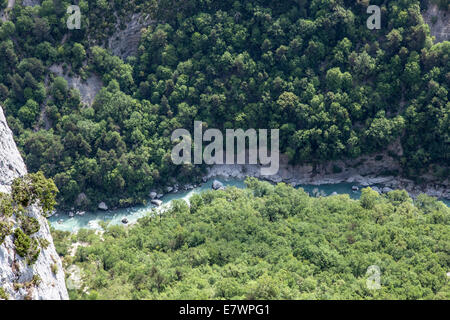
[[334, 193], [153, 195], [125, 41], [156, 202], [124, 220], [375, 188], [31, 3], [217, 185], [386, 189], [81, 200], [88, 89], [159, 196], [103, 206], [169, 189], [355, 188]]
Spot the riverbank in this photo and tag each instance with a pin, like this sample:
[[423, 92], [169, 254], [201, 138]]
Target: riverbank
[[93, 220], [364, 171], [324, 179]]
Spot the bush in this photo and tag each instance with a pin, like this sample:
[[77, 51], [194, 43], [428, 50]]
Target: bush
[[22, 242], [33, 188], [5, 230], [6, 205], [28, 224], [3, 294]]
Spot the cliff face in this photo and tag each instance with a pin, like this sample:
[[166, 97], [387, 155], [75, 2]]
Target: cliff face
[[438, 21], [18, 280]]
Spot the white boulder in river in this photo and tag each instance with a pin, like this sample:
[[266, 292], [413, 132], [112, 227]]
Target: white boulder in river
[[217, 185], [156, 202], [102, 206]]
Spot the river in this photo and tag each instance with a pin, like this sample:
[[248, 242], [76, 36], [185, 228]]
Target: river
[[91, 220]]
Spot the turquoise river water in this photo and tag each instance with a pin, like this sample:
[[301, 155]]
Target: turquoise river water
[[91, 220]]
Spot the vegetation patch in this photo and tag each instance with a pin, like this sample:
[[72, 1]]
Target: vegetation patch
[[272, 242], [3, 294], [26, 191]]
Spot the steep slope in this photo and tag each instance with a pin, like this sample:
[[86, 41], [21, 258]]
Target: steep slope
[[44, 279]]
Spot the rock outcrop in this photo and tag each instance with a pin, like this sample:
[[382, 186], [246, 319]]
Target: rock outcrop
[[124, 43], [438, 21], [44, 279], [88, 89], [364, 171]]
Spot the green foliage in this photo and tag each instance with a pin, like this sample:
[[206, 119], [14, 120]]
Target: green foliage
[[368, 198], [61, 241], [22, 242], [29, 225], [25, 191], [272, 242], [44, 243], [335, 89], [35, 188], [5, 230], [6, 205], [3, 294]]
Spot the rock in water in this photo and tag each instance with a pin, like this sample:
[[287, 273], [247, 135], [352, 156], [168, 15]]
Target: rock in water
[[124, 220], [156, 202], [102, 206], [217, 185], [355, 188], [153, 195]]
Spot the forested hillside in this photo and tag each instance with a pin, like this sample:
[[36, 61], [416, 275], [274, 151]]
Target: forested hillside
[[313, 69], [269, 242]]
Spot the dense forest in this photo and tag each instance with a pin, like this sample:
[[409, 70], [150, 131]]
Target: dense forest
[[268, 242], [312, 69]]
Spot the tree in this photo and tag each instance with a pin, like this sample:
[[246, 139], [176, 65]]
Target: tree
[[28, 113]]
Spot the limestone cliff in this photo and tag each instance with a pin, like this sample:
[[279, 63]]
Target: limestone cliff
[[43, 279]]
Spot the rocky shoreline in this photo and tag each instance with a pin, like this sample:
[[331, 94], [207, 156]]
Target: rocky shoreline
[[365, 175], [380, 171]]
